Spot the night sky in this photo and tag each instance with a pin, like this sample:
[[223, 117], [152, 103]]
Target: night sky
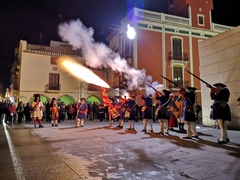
[[37, 21]]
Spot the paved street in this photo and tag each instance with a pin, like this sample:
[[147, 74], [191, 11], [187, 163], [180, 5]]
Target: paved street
[[97, 151]]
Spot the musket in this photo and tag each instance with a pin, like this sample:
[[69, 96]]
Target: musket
[[198, 78], [153, 88], [171, 81]]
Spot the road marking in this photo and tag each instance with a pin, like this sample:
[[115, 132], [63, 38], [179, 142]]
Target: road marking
[[15, 155]]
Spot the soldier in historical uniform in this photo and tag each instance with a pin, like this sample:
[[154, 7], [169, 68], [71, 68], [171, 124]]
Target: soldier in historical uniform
[[220, 109], [82, 109], [162, 110], [37, 106], [189, 112], [180, 105], [120, 105], [54, 108], [130, 112], [146, 111]]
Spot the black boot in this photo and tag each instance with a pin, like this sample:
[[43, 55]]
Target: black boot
[[180, 126]]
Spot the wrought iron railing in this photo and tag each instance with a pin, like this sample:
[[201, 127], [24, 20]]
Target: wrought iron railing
[[177, 56]]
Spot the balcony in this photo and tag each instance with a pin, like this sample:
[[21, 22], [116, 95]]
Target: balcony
[[52, 87], [176, 58]]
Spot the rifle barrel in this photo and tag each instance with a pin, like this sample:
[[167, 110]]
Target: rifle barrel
[[170, 81], [197, 77]]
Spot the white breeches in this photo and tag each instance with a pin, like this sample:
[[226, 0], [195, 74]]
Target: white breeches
[[145, 121], [163, 123]]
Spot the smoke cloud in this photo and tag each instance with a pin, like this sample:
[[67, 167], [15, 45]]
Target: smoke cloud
[[98, 55]]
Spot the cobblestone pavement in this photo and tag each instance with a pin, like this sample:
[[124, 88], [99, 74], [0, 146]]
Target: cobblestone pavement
[[97, 151]]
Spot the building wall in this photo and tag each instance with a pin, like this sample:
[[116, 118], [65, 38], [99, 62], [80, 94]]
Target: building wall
[[219, 62], [150, 52], [34, 78]]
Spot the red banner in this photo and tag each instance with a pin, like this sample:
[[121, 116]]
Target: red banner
[[106, 101]]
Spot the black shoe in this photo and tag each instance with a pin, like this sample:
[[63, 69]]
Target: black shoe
[[227, 140], [195, 136], [160, 133], [150, 130], [52, 125], [129, 129], [82, 126], [187, 137], [56, 125], [143, 130], [171, 129], [133, 129], [166, 133], [118, 126], [35, 126], [41, 126], [222, 142], [121, 126]]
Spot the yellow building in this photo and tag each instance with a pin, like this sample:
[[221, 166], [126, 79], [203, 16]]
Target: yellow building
[[36, 71]]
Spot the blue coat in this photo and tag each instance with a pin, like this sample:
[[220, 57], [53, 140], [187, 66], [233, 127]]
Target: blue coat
[[162, 112], [82, 110], [147, 113], [220, 108], [188, 111], [131, 104]]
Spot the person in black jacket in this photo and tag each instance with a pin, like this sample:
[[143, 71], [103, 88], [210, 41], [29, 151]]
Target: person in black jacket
[[220, 109], [188, 111]]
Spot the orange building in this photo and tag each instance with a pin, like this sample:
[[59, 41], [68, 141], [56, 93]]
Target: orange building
[[166, 44]]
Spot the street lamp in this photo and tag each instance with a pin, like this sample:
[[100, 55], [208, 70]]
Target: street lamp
[[131, 32]]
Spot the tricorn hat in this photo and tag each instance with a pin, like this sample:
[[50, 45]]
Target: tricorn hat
[[219, 84], [191, 88], [166, 92]]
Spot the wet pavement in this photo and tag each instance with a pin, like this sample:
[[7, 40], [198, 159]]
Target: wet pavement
[[97, 151]]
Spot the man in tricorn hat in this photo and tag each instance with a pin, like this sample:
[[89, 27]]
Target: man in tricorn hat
[[146, 111], [55, 112], [82, 109], [37, 106], [188, 111], [162, 110], [220, 108]]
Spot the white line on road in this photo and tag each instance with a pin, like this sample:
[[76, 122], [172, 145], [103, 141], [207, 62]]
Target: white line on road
[[15, 156]]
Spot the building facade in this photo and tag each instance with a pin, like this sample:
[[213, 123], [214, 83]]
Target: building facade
[[219, 62], [166, 44], [36, 71]]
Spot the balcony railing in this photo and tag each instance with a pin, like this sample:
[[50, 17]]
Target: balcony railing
[[137, 13], [141, 14], [52, 87], [177, 56]]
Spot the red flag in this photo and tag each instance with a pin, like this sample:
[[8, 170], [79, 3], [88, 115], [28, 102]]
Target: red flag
[[106, 101]]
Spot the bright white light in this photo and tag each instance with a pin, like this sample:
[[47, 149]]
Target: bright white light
[[131, 32], [80, 72]]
